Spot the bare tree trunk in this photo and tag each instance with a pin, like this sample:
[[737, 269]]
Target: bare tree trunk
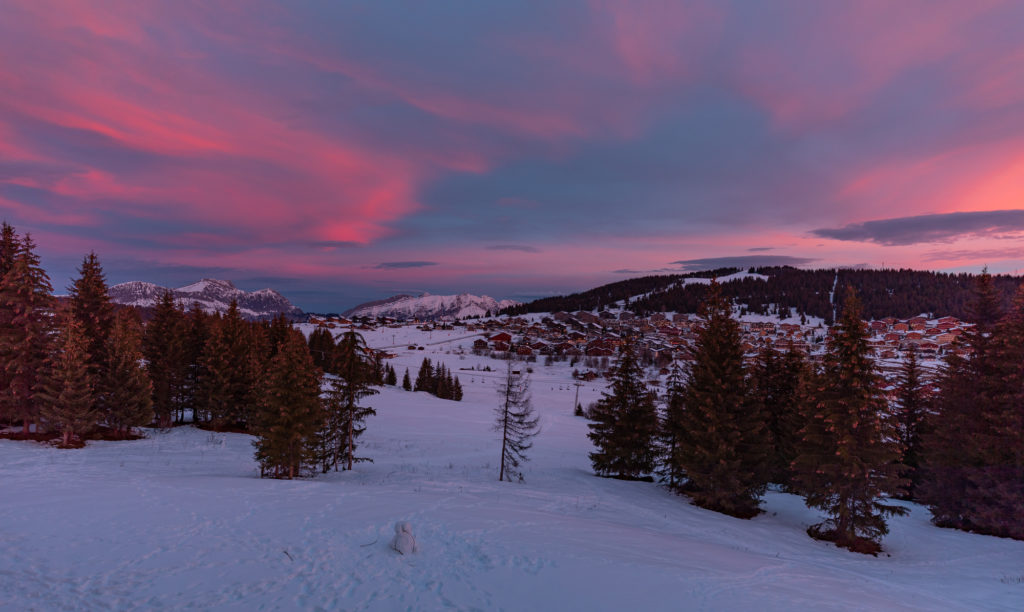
[[351, 441]]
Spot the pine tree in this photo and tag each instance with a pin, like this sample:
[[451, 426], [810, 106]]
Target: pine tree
[[516, 422], [9, 246], [390, 377], [425, 379], [164, 348], [129, 391], [197, 333], [8, 252], [669, 432], [775, 386], [228, 373], [354, 380], [26, 297], [457, 390], [951, 458], [321, 346], [442, 380], [911, 408], [406, 383], [276, 333], [91, 305], [65, 392], [725, 442], [849, 456], [290, 412], [997, 504], [625, 423]]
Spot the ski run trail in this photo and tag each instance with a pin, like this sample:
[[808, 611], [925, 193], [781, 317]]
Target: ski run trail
[[181, 520]]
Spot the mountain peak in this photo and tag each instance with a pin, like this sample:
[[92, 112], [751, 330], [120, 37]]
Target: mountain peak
[[429, 307], [212, 295]]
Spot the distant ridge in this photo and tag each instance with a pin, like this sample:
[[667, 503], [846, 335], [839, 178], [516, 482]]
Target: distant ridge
[[212, 295], [786, 290], [428, 307]]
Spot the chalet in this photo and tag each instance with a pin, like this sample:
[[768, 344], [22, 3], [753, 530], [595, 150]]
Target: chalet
[[524, 350], [502, 337], [916, 321], [480, 343], [501, 347], [901, 327]]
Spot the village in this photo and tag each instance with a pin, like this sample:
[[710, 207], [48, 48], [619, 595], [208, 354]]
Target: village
[[663, 338]]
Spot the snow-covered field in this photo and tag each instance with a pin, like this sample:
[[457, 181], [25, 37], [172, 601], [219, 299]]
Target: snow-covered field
[[181, 520]]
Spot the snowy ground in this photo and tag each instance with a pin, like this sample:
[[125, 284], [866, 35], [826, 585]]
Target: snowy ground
[[181, 519]]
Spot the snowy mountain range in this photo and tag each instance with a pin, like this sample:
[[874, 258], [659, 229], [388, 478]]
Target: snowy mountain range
[[212, 296], [429, 307]]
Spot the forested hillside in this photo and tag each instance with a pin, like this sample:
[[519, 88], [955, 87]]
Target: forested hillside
[[884, 293]]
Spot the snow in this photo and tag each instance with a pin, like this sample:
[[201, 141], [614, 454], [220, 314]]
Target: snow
[[196, 287], [725, 279], [428, 306], [181, 519]]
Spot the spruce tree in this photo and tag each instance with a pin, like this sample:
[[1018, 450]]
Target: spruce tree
[[516, 422], [276, 333], [390, 377], [776, 380], [290, 413], [27, 307], [725, 442], [65, 392], [670, 434], [911, 408], [425, 379], [197, 334], [406, 383], [849, 455], [353, 380], [625, 423], [321, 346], [997, 506], [457, 390], [227, 382], [9, 245], [129, 391], [91, 305], [164, 348], [952, 459]]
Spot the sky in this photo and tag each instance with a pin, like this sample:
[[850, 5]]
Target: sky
[[346, 151]]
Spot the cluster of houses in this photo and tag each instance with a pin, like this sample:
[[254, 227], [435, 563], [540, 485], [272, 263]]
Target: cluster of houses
[[671, 336]]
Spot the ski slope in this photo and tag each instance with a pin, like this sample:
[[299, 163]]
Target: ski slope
[[181, 519]]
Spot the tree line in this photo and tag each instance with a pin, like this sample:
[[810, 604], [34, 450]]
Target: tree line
[[724, 429], [790, 291], [75, 366]]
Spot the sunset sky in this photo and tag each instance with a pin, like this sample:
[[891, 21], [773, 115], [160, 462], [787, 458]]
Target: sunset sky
[[346, 151]]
